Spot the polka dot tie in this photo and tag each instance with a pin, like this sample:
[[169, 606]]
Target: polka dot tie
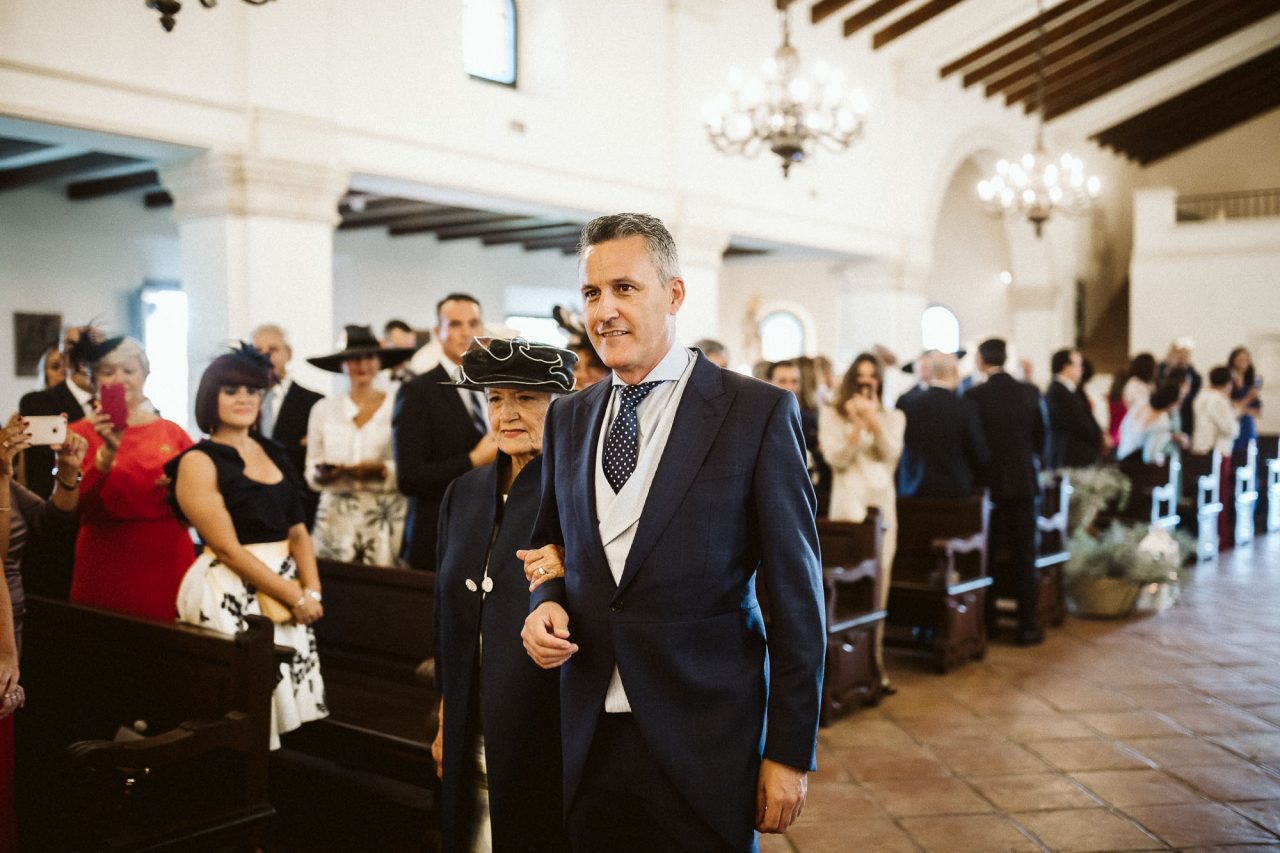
[[622, 442]]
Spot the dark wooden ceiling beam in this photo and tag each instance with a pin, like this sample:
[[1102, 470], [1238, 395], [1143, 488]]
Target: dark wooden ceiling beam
[[1014, 35], [408, 214], [870, 15], [484, 229], [54, 169], [1178, 42], [84, 190], [1211, 107], [11, 147], [551, 243], [910, 21], [1088, 48], [553, 229], [429, 224], [1025, 53], [158, 199], [825, 9]]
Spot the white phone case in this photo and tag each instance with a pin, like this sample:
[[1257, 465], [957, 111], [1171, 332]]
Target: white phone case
[[47, 429]]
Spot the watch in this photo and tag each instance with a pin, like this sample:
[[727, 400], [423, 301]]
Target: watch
[[79, 477], [315, 594]]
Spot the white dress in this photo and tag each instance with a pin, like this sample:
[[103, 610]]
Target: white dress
[[357, 522]]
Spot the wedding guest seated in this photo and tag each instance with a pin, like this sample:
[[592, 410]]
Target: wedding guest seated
[[943, 448], [131, 552], [236, 490]]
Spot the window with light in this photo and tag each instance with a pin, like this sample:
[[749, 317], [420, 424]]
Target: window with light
[[489, 40], [939, 329], [781, 336]]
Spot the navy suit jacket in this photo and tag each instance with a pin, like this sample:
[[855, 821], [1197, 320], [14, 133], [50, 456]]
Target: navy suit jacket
[[432, 434], [1075, 439], [943, 448], [1013, 421], [730, 503]]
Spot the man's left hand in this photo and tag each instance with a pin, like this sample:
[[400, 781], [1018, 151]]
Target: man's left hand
[[780, 796]]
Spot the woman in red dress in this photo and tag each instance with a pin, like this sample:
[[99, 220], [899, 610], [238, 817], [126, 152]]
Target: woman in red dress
[[132, 551]]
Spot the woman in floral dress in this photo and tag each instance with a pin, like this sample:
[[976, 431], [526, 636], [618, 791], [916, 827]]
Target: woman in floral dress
[[350, 459]]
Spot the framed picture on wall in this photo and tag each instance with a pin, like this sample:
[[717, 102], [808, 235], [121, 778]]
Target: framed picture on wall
[[32, 335]]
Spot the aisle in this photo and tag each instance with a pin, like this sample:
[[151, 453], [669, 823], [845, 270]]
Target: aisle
[[1160, 732]]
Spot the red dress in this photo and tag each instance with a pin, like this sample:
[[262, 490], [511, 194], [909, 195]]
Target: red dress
[[132, 552]]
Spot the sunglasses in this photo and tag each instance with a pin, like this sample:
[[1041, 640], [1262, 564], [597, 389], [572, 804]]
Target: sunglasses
[[233, 390]]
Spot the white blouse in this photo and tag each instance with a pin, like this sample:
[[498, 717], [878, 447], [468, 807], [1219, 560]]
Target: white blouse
[[862, 472], [334, 439]]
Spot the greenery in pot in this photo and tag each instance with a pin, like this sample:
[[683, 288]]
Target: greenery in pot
[[1093, 490], [1135, 553]]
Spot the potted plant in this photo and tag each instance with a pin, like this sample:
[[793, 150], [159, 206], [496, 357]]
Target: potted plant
[[1108, 570]]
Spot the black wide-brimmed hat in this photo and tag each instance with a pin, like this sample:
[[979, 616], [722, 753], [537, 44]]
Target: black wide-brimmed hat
[[516, 364], [358, 341]]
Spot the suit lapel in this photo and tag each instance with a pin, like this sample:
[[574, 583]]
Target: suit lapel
[[697, 423], [67, 402], [588, 418], [455, 411]]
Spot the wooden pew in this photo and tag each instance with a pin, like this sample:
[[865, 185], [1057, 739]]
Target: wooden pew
[[1246, 494], [1273, 492], [1154, 497], [1201, 503], [1051, 549], [1269, 491], [938, 587], [364, 779], [195, 704], [851, 577]]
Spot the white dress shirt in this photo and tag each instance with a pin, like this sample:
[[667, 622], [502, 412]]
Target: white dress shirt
[[1216, 423], [334, 439], [83, 397], [620, 513]]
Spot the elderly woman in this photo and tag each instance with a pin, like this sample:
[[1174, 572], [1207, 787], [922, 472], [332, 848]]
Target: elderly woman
[[493, 754], [349, 456], [131, 552], [236, 489], [862, 442]]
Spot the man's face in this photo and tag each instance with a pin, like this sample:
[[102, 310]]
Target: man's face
[[630, 311], [460, 321], [787, 377], [1074, 369], [273, 346]]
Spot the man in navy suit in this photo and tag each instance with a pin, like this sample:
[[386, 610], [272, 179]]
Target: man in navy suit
[[1013, 421], [673, 490], [439, 431], [944, 448]]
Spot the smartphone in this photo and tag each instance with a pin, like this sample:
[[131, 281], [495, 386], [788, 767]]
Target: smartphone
[[47, 429], [112, 399]]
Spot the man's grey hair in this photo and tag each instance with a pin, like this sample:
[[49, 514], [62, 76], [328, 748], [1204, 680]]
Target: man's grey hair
[[269, 329], [617, 226], [710, 347]]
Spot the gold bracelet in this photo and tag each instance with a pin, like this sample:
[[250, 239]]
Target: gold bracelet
[[98, 457]]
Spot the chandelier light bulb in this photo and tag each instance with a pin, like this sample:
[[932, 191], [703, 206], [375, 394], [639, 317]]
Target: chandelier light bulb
[[789, 108]]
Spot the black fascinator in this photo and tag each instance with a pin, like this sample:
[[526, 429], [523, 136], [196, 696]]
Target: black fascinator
[[92, 346]]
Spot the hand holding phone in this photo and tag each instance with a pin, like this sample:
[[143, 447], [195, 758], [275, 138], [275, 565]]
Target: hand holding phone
[[47, 429], [111, 398]]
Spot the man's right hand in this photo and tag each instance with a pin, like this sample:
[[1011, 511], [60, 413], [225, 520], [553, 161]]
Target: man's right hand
[[485, 451], [546, 635]]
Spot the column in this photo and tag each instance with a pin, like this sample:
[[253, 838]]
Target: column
[[701, 261], [257, 247]]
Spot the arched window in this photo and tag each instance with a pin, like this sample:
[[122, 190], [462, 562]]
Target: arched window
[[781, 336], [939, 329], [489, 40]]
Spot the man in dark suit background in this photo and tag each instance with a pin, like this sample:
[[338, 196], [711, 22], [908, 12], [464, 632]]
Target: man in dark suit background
[[1013, 422], [671, 488], [1075, 438], [51, 561], [286, 409], [439, 431], [944, 449]]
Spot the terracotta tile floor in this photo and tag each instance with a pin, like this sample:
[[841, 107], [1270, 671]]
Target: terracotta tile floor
[[1153, 733]]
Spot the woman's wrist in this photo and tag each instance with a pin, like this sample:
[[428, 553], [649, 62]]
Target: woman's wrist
[[104, 458]]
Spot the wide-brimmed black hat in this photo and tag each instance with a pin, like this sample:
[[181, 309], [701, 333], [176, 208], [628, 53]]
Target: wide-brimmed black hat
[[358, 341], [516, 364]]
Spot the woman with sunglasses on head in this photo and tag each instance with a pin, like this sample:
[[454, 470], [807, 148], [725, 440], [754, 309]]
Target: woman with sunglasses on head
[[350, 461], [131, 552], [235, 489]]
